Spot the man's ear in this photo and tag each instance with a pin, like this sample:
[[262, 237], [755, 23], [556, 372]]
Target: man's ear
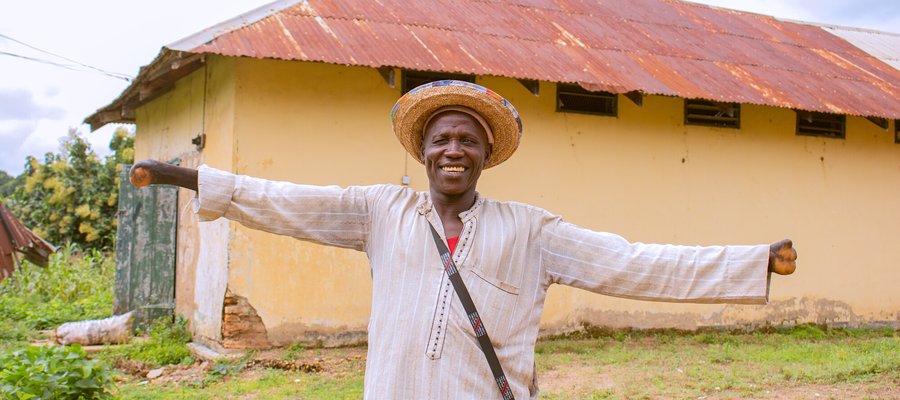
[[487, 155]]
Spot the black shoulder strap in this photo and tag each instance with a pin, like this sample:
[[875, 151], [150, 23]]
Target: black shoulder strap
[[480, 332]]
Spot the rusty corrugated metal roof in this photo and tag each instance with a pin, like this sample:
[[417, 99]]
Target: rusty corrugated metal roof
[[14, 236], [664, 47], [883, 45]]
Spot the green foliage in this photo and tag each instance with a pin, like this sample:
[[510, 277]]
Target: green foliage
[[8, 184], [45, 372], [74, 286], [805, 331], [167, 344], [293, 351], [72, 197], [229, 368]]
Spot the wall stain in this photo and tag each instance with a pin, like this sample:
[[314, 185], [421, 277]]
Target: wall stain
[[316, 335], [777, 313]]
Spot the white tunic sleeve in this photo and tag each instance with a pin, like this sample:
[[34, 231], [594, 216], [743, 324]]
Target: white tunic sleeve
[[322, 214], [608, 264]]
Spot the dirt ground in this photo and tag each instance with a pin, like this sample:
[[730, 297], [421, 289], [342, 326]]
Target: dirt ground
[[334, 363], [564, 381], [570, 381]]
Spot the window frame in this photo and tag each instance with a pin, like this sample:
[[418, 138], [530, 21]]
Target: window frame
[[820, 118], [711, 121], [576, 90]]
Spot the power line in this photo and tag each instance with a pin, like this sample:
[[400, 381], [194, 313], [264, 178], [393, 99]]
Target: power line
[[125, 77], [40, 60]]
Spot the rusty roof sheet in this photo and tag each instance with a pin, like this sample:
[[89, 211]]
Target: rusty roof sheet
[[663, 47], [15, 237], [884, 45]]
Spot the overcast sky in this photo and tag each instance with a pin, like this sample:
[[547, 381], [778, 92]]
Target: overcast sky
[[39, 103]]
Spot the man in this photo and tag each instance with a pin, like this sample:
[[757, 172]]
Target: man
[[424, 342]]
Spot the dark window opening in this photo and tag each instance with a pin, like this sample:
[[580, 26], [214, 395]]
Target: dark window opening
[[412, 79], [882, 123], [574, 98], [810, 123], [712, 113]]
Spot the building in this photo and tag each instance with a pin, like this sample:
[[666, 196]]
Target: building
[[660, 120]]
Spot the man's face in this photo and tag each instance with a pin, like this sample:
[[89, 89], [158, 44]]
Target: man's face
[[455, 148]]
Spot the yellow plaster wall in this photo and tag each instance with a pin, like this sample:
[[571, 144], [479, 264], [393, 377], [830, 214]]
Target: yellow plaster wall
[[648, 177], [315, 124], [200, 102], [643, 175]]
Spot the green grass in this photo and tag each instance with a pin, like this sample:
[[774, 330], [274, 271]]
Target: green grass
[[690, 365], [597, 364], [167, 345], [864, 363], [74, 286], [266, 384]]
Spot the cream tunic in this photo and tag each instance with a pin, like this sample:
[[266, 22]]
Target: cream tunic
[[421, 345]]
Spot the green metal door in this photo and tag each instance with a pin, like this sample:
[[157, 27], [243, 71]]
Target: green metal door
[[145, 250]]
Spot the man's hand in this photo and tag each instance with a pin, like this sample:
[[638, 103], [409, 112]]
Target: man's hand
[[782, 257], [140, 173], [149, 172]]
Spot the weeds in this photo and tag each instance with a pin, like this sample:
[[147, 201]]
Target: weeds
[[74, 286], [167, 345], [229, 368], [293, 351]]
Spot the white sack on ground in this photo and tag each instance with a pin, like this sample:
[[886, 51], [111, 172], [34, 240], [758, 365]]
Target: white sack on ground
[[112, 330]]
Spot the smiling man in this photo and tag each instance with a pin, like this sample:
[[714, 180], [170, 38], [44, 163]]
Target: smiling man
[[459, 279]]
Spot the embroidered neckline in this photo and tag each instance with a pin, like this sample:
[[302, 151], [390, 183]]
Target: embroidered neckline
[[425, 206]]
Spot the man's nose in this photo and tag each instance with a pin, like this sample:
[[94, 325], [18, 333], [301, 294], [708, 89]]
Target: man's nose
[[454, 148]]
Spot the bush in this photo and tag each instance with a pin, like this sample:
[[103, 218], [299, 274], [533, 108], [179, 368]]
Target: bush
[[167, 344], [72, 196], [74, 286], [43, 372]]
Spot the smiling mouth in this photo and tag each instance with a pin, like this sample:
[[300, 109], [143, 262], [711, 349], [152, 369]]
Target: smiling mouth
[[453, 169]]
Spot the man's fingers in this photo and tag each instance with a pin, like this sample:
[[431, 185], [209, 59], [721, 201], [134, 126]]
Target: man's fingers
[[784, 244], [783, 257], [784, 267], [139, 176]]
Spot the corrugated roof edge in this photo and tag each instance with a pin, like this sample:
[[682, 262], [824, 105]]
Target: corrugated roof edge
[[182, 56], [833, 26], [245, 19]]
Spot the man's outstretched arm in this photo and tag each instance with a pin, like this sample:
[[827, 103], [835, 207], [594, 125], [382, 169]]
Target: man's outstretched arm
[[152, 172]]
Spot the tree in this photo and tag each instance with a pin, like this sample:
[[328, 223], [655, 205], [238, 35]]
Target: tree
[[8, 184], [72, 197]]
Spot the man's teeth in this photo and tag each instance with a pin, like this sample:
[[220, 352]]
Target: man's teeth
[[454, 169]]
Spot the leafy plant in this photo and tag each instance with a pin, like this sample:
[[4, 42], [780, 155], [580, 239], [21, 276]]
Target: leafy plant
[[72, 197], [8, 184], [44, 372], [167, 344], [293, 351], [228, 368], [74, 286]]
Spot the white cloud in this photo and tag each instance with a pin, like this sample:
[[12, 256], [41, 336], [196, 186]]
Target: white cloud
[[19, 104]]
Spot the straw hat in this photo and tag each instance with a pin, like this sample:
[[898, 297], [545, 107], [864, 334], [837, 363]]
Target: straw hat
[[416, 107]]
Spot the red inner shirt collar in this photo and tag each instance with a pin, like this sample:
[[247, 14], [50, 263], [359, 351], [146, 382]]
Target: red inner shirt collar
[[451, 243]]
